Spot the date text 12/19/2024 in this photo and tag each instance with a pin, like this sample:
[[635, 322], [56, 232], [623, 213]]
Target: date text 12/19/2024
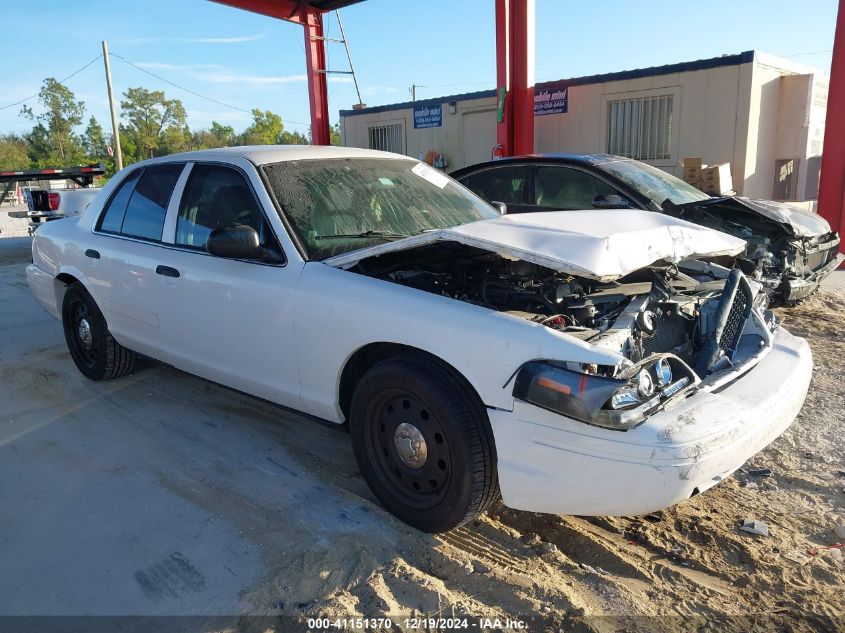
[[416, 623]]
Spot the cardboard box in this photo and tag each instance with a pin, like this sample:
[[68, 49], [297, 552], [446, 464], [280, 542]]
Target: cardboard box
[[692, 163], [716, 179], [693, 179]]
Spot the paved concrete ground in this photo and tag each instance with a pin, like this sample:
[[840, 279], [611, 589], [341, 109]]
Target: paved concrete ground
[[158, 493]]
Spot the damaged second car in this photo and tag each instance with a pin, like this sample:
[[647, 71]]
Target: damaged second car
[[789, 250], [590, 363]]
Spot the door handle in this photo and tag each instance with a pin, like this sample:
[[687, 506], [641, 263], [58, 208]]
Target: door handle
[[92, 253], [167, 271]]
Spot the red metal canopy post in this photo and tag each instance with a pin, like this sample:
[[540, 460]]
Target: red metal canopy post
[[311, 18], [515, 74], [832, 185]]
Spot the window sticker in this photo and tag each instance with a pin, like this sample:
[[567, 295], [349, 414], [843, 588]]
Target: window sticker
[[431, 175]]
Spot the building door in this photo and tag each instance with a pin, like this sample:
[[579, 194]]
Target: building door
[[479, 136]]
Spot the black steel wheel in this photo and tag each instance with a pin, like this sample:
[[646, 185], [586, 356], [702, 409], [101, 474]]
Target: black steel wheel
[[93, 349], [423, 442]]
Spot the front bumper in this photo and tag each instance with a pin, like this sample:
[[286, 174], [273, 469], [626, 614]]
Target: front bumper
[[795, 289], [549, 463]]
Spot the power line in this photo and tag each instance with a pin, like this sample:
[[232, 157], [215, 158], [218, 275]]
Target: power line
[[811, 53], [193, 92], [70, 76]]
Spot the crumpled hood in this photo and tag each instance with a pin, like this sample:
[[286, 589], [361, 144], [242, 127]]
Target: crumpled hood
[[602, 245], [803, 223]]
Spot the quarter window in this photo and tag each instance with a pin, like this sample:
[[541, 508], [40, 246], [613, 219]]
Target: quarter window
[[140, 204], [567, 188], [505, 184], [218, 197]]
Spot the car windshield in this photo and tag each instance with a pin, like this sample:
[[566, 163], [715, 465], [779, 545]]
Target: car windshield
[[340, 205], [654, 183]]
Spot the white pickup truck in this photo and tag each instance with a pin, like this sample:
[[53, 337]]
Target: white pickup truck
[[44, 205]]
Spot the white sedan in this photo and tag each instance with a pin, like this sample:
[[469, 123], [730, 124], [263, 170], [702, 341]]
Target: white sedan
[[580, 362]]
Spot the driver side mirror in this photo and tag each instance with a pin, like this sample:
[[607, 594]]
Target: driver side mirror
[[612, 201], [235, 242], [501, 207]]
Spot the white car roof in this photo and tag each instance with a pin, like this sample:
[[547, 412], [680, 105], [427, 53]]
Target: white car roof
[[264, 154]]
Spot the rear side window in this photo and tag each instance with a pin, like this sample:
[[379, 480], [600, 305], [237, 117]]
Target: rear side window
[[139, 207], [499, 184], [112, 219]]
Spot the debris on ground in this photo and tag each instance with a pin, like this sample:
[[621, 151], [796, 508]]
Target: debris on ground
[[753, 526], [839, 530], [759, 472]]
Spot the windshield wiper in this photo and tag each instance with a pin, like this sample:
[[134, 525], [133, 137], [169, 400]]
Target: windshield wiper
[[383, 234]]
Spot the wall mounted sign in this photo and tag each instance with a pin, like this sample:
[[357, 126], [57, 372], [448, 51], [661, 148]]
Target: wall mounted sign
[[428, 116], [551, 101]]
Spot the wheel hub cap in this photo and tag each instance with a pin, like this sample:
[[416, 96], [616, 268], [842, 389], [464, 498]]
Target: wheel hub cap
[[84, 331], [410, 445]]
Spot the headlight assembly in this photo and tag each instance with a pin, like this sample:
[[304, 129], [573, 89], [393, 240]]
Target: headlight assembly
[[614, 403]]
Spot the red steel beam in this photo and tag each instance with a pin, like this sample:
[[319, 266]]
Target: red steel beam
[[311, 19], [832, 185], [522, 77], [504, 127], [289, 10], [318, 94], [515, 73]]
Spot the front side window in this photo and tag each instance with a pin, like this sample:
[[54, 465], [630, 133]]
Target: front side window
[[140, 204], [340, 205], [568, 188], [218, 197], [502, 184]]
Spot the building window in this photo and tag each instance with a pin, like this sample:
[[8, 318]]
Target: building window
[[640, 128], [388, 138]]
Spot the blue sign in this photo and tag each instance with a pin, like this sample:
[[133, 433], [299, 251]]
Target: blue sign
[[554, 101], [428, 116]]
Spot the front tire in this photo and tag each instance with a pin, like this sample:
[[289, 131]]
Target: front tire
[[93, 349], [423, 443]]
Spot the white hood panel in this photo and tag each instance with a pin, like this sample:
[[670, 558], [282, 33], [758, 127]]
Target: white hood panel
[[602, 245]]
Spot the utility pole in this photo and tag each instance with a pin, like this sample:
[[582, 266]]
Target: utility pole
[[413, 92], [118, 155]]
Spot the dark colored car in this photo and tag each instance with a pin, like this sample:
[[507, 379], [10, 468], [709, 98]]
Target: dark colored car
[[789, 250]]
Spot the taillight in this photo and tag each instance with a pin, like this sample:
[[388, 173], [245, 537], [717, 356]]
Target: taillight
[[53, 200]]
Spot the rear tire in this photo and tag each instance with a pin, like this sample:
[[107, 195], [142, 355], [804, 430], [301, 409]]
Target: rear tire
[[93, 349], [423, 443]]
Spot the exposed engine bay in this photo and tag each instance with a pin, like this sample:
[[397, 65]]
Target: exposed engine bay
[[776, 252], [662, 309]]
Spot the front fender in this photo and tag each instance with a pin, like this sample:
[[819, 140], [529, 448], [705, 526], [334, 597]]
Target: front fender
[[339, 312]]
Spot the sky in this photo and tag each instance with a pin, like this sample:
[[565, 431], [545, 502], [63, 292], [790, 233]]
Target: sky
[[238, 60]]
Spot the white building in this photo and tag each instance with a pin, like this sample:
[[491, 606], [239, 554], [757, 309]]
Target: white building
[[762, 114]]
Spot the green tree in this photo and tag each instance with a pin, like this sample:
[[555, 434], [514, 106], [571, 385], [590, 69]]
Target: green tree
[[60, 114], [94, 141], [155, 125], [334, 134], [293, 138], [223, 134], [13, 152], [266, 129]]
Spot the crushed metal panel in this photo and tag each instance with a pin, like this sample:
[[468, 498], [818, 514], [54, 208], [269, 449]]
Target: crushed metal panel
[[602, 245]]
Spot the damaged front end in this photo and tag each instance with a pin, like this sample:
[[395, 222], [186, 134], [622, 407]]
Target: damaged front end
[[677, 327], [789, 251]]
